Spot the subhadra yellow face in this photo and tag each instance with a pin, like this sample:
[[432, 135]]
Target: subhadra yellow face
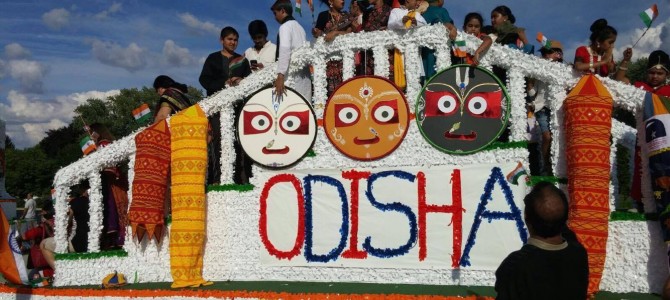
[[366, 118]]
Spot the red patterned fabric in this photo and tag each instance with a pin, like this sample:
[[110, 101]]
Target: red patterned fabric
[[588, 121], [152, 166]]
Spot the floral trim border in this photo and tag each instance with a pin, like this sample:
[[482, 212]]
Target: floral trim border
[[91, 255]]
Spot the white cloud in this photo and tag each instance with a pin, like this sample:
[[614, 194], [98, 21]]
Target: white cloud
[[56, 18], [29, 118], [16, 51], [177, 56], [131, 58], [29, 73], [193, 23], [115, 7]]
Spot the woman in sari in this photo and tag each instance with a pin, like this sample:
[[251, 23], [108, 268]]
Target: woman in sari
[[330, 24], [114, 195], [172, 97]]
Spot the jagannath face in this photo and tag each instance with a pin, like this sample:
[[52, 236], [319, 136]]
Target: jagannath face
[[366, 118], [462, 109], [276, 131]]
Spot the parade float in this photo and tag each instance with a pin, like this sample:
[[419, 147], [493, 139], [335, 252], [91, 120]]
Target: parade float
[[372, 185]]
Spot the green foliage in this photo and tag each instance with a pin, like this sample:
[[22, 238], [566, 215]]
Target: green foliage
[[33, 169], [29, 171], [637, 71], [8, 143]]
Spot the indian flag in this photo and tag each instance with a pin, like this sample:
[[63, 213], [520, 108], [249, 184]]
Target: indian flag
[[87, 145], [12, 266], [142, 114], [544, 41], [648, 16], [298, 7], [459, 48], [513, 177]]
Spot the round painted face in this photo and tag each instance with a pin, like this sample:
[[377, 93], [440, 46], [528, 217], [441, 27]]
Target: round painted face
[[366, 118], [276, 132], [462, 109]]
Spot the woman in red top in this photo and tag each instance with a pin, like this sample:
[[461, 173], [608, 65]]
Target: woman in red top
[[597, 57]]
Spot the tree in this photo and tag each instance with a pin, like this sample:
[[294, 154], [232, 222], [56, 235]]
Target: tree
[[8, 143], [29, 171]]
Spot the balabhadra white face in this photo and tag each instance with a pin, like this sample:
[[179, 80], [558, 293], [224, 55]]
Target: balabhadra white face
[[276, 132]]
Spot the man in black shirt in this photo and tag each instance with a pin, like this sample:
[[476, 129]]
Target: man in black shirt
[[548, 266], [79, 210]]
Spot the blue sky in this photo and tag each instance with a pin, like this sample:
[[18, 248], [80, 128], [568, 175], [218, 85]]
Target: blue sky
[[56, 54]]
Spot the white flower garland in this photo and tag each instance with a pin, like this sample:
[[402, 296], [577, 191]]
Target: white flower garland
[[60, 225], [95, 211], [516, 88]]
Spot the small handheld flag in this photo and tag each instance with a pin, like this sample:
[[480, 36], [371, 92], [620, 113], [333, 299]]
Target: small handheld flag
[[543, 40], [513, 177], [459, 49], [87, 145], [142, 114], [648, 16], [298, 7]]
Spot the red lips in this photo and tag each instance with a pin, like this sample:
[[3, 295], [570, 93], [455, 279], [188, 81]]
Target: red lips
[[275, 151], [463, 137], [373, 140]]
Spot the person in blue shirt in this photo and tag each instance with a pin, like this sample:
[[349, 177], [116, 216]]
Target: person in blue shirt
[[435, 14]]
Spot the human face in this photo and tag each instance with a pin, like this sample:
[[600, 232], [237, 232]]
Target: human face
[[160, 91], [354, 9], [553, 55], [497, 19], [337, 5], [259, 40], [607, 44], [279, 15], [410, 4], [656, 77], [229, 43], [473, 26]]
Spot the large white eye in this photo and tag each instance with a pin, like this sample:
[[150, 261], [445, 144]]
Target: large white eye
[[384, 113], [290, 123], [260, 122], [446, 104], [477, 105], [348, 115]]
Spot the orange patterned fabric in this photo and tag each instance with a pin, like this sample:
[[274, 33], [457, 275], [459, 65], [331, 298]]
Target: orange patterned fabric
[[189, 163], [588, 122], [152, 165]]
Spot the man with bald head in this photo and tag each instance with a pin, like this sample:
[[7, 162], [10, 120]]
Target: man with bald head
[[548, 266]]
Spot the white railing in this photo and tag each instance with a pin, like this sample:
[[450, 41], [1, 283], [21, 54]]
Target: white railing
[[560, 77]]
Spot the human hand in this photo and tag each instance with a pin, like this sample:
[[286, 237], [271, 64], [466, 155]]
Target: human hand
[[331, 36], [279, 85], [475, 59], [628, 54], [316, 32]]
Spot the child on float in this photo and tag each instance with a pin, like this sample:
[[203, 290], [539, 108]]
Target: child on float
[[538, 106], [405, 16], [597, 58], [473, 24], [435, 14]]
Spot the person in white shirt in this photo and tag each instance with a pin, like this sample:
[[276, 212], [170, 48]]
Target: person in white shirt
[[291, 36], [263, 51], [405, 16], [29, 208]]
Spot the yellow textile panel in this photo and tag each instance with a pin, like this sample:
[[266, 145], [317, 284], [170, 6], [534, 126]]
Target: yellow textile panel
[[588, 122], [189, 163]]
